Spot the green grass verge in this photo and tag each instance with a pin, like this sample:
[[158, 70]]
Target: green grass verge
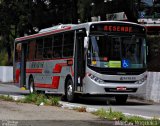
[[41, 99], [6, 98], [38, 99], [131, 120]]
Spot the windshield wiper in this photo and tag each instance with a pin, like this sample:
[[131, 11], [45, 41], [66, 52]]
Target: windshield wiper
[[132, 41]]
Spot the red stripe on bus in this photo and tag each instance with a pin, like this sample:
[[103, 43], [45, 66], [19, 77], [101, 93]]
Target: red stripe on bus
[[42, 34], [17, 75], [55, 82], [54, 85], [58, 67], [34, 70]]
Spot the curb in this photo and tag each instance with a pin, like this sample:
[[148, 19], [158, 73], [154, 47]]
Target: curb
[[91, 110]]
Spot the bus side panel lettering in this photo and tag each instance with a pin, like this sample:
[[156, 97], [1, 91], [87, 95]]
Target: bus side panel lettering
[[34, 70]]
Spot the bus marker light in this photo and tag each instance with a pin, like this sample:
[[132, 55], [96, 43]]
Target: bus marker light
[[69, 62]]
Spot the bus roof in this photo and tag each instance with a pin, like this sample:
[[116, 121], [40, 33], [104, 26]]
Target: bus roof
[[65, 27]]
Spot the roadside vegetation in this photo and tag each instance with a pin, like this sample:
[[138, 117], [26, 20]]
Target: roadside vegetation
[[37, 99], [121, 119], [41, 99], [6, 98], [3, 58]]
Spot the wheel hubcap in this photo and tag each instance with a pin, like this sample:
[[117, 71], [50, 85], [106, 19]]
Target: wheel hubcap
[[31, 87], [69, 90]]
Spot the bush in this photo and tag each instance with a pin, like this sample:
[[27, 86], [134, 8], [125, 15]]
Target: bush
[[54, 101], [153, 53], [3, 58], [6, 98]]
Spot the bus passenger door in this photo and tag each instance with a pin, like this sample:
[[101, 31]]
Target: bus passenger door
[[79, 60], [23, 65]]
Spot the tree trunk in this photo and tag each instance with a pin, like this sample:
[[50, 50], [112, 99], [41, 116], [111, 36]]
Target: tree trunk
[[131, 11], [8, 48]]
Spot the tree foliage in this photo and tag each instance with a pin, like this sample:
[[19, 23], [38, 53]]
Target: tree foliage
[[20, 17]]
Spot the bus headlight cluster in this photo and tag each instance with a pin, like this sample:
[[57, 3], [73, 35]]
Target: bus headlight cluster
[[96, 79], [141, 80]]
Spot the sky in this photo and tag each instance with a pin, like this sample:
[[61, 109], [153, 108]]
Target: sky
[[149, 2]]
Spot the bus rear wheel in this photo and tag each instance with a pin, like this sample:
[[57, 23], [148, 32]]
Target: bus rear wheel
[[121, 99], [70, 95], [31, 85]]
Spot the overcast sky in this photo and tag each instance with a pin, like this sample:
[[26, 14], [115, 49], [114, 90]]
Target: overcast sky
[[149, 2]]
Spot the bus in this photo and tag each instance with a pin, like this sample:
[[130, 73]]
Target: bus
[[106, 58]]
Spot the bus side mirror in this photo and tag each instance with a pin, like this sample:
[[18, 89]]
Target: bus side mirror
[[86, 42]]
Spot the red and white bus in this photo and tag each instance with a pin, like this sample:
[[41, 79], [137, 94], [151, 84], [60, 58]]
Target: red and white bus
[[95, 58]]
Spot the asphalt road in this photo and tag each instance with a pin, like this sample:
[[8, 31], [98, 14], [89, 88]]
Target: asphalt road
[[18, 114], [133, 106]]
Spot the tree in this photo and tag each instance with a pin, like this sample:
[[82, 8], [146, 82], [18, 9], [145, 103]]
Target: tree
[[20, 17], [101, 8]]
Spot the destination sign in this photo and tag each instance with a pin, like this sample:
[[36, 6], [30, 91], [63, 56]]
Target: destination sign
[[118, 28], [113, 28]]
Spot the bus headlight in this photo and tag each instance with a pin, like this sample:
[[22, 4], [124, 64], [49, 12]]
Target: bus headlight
[[141, 80], [96, 79]]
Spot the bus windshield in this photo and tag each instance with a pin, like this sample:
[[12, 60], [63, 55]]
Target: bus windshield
[[116, 51]]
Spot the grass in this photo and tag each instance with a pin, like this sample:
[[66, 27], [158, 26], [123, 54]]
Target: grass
[[54, 101], [6, 98], [119, 116], [110, 115], [34, 98], [41, 99]]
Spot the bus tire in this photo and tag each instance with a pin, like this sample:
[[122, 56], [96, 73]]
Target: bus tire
[[69, 92], [121, 99], [31, 85]]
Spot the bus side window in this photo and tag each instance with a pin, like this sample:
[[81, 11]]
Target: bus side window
[[39, 49], [32, 50], [47, 48], [57, 46], [56, 54], [68, 44]]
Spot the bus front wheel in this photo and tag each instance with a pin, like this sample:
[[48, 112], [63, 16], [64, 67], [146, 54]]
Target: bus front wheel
[[121, 99], [70, 95], [31, 85]]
